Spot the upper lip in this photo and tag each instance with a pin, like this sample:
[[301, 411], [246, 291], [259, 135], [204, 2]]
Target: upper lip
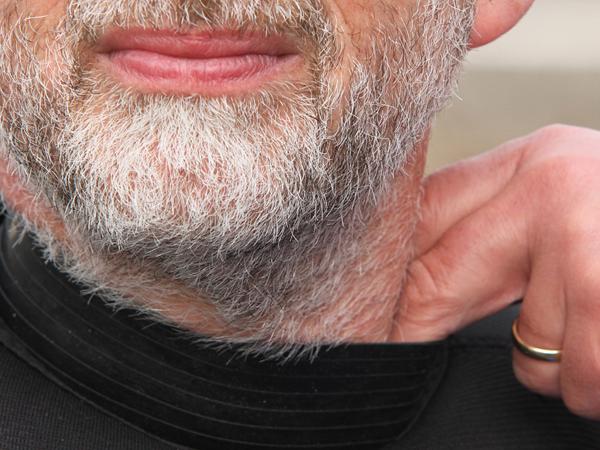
[[197, 45]]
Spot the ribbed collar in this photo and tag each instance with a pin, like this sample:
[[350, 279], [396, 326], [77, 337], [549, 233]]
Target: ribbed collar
[[148, 375]]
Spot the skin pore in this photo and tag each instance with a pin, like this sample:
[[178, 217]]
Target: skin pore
[[312, 252]]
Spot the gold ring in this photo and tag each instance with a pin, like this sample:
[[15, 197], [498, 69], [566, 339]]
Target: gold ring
[[542, 354]]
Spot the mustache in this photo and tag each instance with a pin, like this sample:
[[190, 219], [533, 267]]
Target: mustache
[[307, 19]]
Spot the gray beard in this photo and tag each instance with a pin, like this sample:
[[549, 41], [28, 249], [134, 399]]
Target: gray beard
[[266, 247]]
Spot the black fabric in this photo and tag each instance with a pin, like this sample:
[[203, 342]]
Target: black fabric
[[478, 405], [36, 414], [149, 375]]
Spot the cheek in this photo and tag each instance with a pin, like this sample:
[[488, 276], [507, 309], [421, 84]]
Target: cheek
[[361, 23], [37, 7], [33, 18], [36, 17], [36, 22], [355, 24], [358, 18]]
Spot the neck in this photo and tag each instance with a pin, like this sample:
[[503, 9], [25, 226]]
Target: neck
[[356, 298], [198, 396]]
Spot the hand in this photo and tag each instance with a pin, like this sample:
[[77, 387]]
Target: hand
[[521, 221]]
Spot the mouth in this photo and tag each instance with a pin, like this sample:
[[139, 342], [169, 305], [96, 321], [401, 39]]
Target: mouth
[[215, 63]]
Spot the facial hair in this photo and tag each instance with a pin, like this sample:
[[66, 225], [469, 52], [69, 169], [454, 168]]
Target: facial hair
[[255, 203]]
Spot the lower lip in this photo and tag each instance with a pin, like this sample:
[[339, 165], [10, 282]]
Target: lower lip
[[154, 72]]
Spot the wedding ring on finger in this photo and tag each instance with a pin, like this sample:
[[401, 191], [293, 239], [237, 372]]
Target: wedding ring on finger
[[538, 353]]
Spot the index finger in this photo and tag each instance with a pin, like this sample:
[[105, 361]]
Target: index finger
[[460, 189]]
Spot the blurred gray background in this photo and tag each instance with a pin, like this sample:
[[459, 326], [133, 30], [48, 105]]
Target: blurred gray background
[[546, 70]]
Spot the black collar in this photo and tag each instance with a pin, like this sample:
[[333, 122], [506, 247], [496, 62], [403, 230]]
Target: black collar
[[146, 374]]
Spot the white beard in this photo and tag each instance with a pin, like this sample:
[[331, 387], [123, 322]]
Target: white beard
[[241, 200]]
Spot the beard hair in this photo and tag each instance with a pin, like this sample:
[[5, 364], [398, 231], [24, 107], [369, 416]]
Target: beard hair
[[260, 204]]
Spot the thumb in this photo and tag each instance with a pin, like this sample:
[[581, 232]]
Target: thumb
[[478, 267]]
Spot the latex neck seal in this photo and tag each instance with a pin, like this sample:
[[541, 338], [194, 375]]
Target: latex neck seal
[[146, 374]]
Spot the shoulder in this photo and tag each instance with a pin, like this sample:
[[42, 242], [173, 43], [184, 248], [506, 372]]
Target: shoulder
[[37, 413]]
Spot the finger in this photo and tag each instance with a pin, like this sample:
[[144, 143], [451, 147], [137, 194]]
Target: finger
[[456, 191], [580, 367], [479, 267], [541, 324]]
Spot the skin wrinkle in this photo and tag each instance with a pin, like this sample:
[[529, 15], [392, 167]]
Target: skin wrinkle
[[282, 248]]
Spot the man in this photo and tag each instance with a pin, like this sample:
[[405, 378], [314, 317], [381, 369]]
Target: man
[[224, 190]]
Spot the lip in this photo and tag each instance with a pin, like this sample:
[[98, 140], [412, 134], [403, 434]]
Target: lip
[[209, 63]]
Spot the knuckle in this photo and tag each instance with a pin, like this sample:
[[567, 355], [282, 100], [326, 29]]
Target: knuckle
[[556, 130], [574, 143], [559, 131], [566, 147], [562, 166]]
